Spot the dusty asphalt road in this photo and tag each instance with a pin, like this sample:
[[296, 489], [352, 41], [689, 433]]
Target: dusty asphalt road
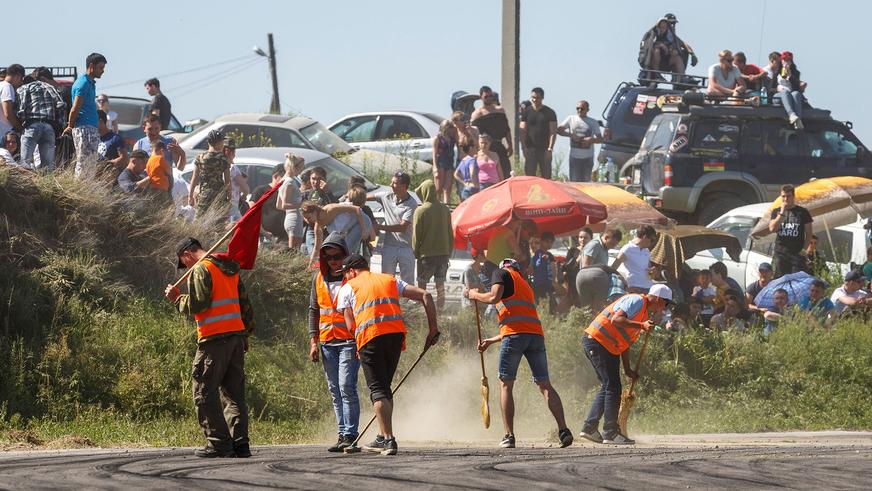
[[831, 460]]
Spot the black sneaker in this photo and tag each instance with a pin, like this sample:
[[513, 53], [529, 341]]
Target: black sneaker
[[211, 453], [376, 445], [242, 451], [390, 446], [508, 441], [347, 441], [565, 437], [594, 436], [619, 439], [337, 447]]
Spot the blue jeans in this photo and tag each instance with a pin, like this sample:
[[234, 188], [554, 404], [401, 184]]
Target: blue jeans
[[531, 347], [402, 256], [580, 169], [41, 135], [607, 402], [341, 366], [792, 102], [466, 192]]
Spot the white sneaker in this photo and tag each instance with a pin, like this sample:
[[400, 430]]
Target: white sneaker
[[793, 118]]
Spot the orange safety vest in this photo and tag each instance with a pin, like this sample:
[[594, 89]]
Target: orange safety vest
[[331, 322], [223, 315], [613, 338], [376, 307], [517, 314]]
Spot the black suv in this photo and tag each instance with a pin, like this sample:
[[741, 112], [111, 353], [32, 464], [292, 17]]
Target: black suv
[[631, 109], [697, 162]]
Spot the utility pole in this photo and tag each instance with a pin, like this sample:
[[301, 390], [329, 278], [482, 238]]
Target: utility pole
[[275, 106], [511, 65]]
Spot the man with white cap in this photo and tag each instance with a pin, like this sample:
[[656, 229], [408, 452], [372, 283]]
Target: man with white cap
[[607, 343]]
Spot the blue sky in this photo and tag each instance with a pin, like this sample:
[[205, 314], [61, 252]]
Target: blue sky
[[339, 57]]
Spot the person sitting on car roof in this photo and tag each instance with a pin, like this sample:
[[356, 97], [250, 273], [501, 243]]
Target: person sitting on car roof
[[725, 79], [790, 89], [661, 49], [751, 73]]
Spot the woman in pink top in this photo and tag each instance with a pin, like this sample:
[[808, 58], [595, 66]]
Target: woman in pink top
[[489, 171]]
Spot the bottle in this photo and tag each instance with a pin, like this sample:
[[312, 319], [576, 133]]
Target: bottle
[[601, 173], [611, 170]]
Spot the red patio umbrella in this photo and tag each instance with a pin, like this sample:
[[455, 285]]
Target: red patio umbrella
[[553, 206]]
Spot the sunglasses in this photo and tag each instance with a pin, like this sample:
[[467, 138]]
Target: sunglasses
[[334, 257]]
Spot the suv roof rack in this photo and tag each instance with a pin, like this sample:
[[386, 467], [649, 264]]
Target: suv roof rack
[[700, 103], [57, 72], [678, 81], [681, 102]]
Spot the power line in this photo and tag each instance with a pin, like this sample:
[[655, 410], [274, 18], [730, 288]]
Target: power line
[[197, 85], [174, 74]]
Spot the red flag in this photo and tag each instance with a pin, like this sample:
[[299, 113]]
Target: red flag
[[243, 245]]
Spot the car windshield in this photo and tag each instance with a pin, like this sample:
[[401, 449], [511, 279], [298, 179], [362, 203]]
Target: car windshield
[[325, 140], [737, 225], [338, 175], [129, 111]]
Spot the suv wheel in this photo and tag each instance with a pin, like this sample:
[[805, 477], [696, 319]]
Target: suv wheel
[[715, 205]]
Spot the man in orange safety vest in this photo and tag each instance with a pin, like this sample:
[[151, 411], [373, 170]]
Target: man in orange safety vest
[[217, 300], [606, 344], [521, 336], [370, 303]]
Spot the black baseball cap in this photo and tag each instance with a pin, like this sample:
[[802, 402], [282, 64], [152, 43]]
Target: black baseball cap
[[183, 246], [854, 275], [354, 261]]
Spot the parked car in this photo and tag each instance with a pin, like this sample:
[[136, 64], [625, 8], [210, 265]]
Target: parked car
[[406, 133], [255, 130], [840, 246], [697, 162], [459, 262], [131, 114], [629, 113], [258, 164]]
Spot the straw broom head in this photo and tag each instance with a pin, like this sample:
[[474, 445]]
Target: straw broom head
[[485, 410]]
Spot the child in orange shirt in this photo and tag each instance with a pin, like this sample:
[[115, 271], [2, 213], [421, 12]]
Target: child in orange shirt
[[158, 169]]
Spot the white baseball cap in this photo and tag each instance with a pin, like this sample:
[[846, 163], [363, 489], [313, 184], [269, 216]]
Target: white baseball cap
[[662, 291]]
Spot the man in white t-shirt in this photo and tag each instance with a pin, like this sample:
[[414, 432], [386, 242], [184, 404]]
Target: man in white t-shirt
[[583, 132], [725, 79], [851, 294], [634, 261], [8, 98]]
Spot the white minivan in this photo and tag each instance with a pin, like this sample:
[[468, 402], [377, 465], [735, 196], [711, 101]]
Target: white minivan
[[840, 245]]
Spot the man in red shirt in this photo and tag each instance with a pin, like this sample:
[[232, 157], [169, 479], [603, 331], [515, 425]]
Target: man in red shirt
[[750, 73]]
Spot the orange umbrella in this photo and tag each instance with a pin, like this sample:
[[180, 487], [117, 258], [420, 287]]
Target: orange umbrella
[[553, 206], [831, 201], [623, 208]]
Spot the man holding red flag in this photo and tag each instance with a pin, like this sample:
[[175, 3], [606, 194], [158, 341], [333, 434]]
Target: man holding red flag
[[217, 300]]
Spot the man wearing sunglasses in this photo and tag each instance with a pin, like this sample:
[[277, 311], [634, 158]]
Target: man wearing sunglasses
[[583, 133], [331, 339]]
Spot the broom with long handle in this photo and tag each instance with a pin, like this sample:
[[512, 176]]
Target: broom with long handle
[[628, 398], [354, 448], [485, 410]]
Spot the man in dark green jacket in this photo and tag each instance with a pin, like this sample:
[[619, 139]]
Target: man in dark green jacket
[[218, 302], [432, 240]]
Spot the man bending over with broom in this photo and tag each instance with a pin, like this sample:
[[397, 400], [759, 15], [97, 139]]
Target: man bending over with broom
[[521, 335], [370, 303], [607, 343]]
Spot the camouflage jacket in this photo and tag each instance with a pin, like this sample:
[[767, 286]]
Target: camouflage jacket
[[199, 297], [211, 167]]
